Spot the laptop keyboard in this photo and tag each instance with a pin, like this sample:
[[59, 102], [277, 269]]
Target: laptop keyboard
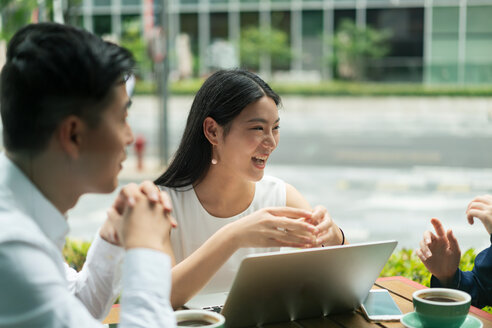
[[217, 308]]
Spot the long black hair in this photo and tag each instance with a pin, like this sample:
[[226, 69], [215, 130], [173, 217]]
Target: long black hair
[[222, 97]]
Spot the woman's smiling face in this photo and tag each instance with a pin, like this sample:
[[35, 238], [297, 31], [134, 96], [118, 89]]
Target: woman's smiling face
[[250, 139]]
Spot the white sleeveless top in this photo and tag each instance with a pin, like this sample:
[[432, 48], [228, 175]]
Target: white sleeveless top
[[196, 225]]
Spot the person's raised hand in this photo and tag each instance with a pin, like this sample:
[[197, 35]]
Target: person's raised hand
[[481, 208], [440, 252], [329, 233], [275, 227]]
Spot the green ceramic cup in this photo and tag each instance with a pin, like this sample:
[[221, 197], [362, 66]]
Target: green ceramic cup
[[199, 318], [441, 307]]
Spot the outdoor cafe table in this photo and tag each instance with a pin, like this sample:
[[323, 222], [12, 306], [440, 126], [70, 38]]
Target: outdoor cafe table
[[400, 289]]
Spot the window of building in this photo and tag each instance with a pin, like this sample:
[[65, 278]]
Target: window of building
[[131, 2], [219, 28], [100, 3], [312, 39], [102, 24], [189, 25]]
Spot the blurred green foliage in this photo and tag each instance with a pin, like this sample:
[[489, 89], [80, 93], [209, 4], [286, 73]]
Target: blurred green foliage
[[354, 45], [352, 89], [75, 252], [133, 41], [407, 264], [256, 42], [15, 14]]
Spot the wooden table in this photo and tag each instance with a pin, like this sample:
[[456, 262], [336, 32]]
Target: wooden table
[[400, 288]]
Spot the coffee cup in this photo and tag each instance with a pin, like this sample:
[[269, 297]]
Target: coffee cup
[[199, 318], [441, 307]]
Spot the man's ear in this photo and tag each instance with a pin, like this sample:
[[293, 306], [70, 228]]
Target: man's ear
[[212, 130], [70, 135]]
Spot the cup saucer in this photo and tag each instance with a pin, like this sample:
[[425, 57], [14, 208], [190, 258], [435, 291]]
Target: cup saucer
[[411, 320]]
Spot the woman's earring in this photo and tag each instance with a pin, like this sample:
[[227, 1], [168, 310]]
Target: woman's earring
[[214, 160]]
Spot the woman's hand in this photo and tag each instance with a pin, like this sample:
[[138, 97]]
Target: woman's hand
[[275, 227], [329, 233], [112, 228]]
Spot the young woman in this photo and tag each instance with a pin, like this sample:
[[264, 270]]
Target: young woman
[[225, 207]]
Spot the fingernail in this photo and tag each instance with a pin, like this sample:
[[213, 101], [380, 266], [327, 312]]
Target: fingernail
[[154, 197], [131, 201], [428, 254]]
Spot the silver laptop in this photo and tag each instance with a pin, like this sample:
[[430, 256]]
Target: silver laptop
[[278, 287]]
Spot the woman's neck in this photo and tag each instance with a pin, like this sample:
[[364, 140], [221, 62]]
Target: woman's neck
[[224, 195]]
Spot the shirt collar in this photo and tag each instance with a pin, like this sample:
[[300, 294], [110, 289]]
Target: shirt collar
[[33, 203]]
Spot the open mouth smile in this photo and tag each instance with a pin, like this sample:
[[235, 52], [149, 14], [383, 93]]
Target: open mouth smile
[[260, 161]]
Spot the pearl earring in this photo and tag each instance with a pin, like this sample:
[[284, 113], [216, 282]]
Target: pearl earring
[[214, 161]]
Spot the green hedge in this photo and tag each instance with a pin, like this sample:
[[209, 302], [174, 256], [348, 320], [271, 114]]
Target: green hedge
[[190, 87], [402, 263]]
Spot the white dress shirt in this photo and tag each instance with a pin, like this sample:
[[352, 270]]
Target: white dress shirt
[[38, 289]]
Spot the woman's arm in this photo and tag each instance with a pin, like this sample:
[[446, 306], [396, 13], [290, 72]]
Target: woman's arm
[[270, 227]]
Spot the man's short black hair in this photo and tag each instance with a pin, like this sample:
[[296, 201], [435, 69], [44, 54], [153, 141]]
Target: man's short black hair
[[53, 71]]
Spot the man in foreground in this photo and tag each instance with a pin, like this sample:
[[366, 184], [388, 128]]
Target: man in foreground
[[64, 106]]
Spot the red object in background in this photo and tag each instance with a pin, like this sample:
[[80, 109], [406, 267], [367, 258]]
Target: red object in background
[[139, 150]]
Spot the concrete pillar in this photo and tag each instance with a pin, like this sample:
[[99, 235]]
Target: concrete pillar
[[428, 21], [462, 42], [203, 34], [234, 22], [328, 30], [296, 35], [87, 12], [265, 25]]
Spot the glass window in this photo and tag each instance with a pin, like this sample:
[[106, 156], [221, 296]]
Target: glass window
[[219, 26], [406, 26], [343, 14], [312, 39], [102, 24], [249, 19], [131, 2], [189, 25], [99, 3]]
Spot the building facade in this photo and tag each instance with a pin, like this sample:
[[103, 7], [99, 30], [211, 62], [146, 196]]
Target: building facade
[[433, 41]]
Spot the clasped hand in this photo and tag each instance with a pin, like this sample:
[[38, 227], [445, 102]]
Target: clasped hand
[[286, 226], [139, 217]]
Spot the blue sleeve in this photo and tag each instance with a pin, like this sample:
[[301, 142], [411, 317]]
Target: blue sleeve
[[478, 282]]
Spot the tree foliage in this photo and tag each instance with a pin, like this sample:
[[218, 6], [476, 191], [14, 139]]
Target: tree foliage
[[353, 46], [133, 41], [15, 14], [256, 42]]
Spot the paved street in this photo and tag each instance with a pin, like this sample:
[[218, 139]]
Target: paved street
[[382, 166]]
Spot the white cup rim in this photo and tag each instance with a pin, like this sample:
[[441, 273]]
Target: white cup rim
[[192, 313], [443, 291]]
